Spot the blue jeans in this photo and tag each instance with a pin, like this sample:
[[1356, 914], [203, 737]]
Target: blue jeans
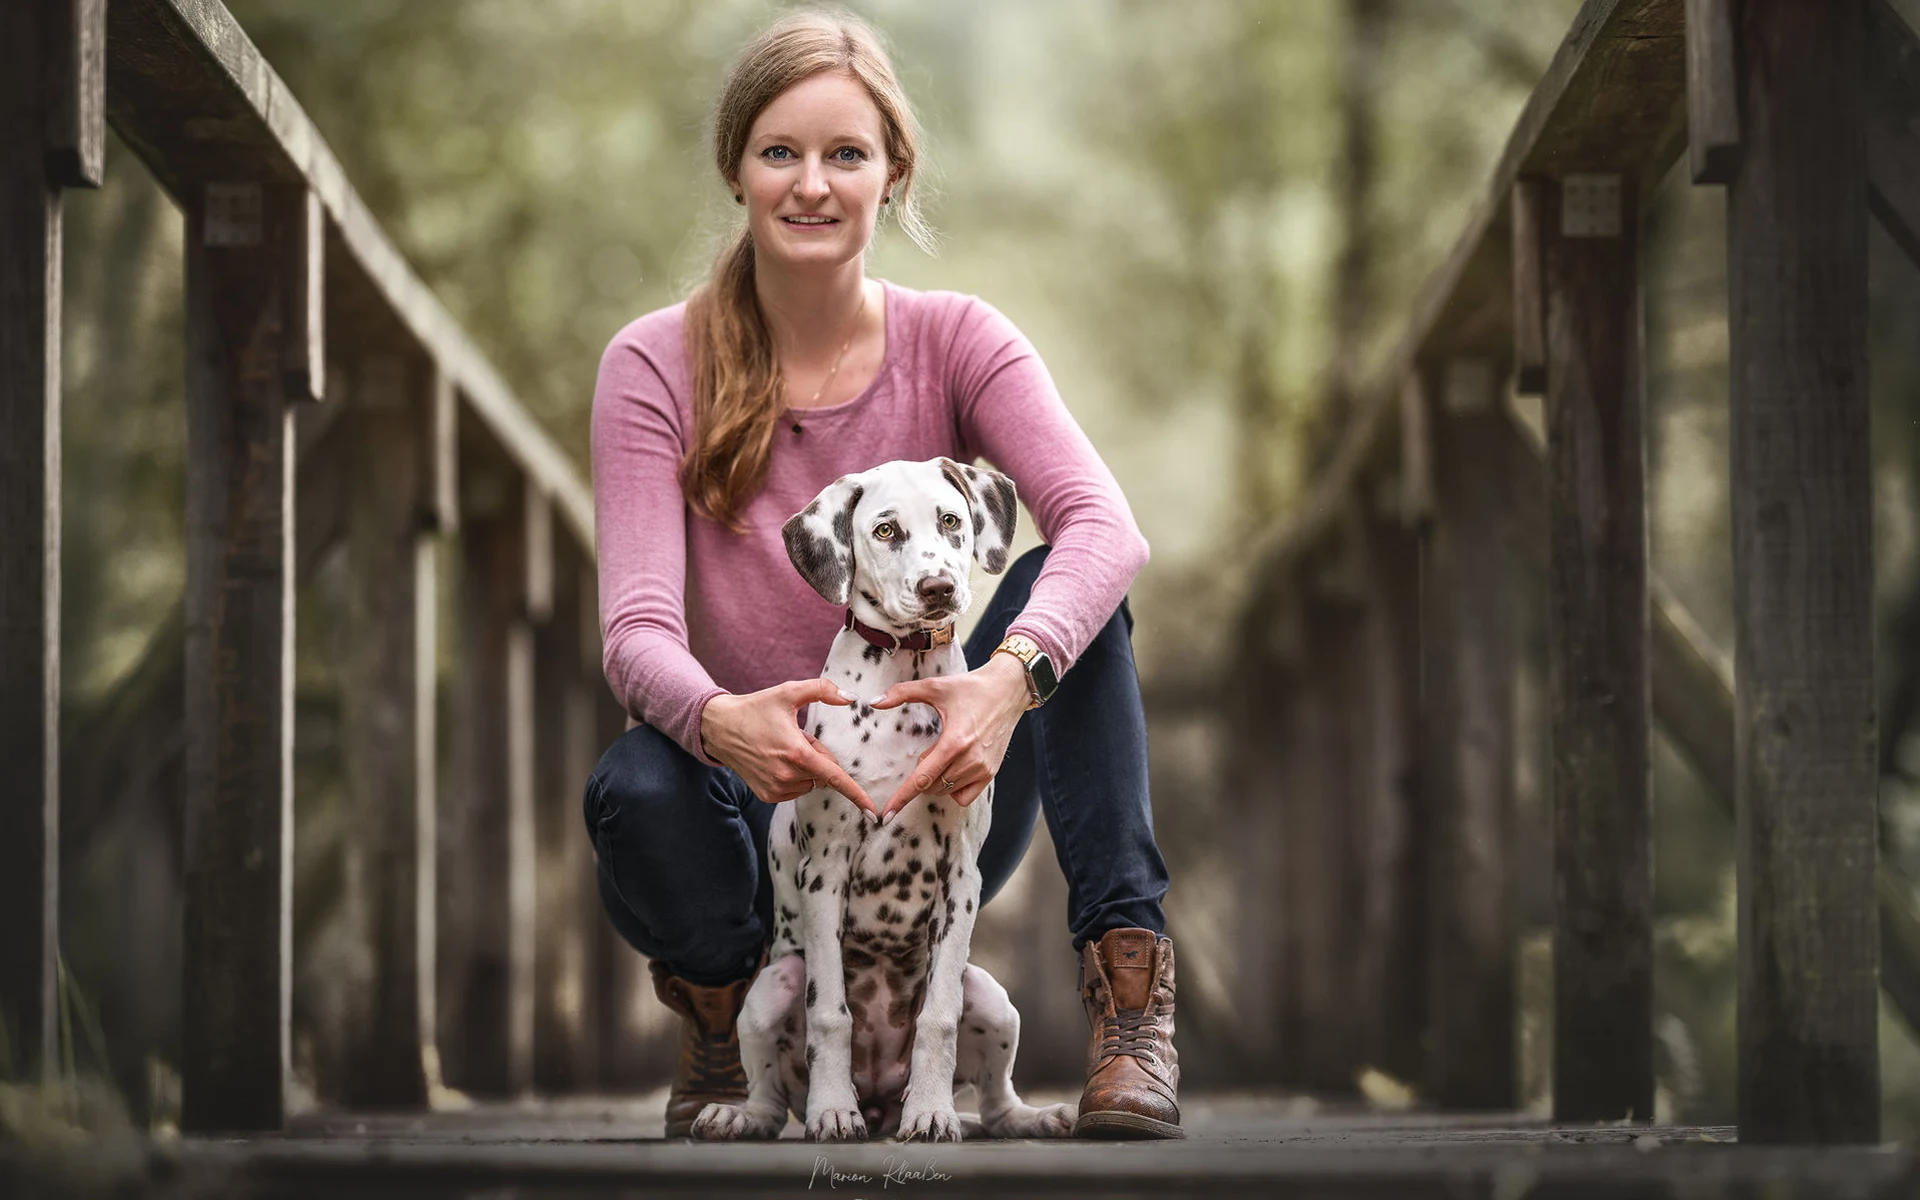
[[682, 847]]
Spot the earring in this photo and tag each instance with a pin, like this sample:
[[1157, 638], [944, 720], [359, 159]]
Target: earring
[[738, 198], [886, 199]]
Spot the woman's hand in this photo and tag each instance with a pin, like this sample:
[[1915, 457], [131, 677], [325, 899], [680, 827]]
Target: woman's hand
[[756, 735], [978, 711]]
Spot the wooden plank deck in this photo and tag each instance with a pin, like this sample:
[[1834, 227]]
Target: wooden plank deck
[[1240, 1144]]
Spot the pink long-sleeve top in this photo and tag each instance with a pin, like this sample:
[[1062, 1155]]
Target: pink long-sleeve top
[[689, 609]]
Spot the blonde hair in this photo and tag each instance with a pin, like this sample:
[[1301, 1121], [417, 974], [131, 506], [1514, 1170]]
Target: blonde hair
[[737, 390]]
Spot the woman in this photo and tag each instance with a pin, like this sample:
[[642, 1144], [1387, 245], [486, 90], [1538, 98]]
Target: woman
[[717, 419]]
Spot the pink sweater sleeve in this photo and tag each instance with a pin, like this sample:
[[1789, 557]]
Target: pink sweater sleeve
[[640, 532], [1011, 413]]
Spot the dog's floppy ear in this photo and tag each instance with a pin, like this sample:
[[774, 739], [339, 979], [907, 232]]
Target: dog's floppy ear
[[995, 508], [820, 538]]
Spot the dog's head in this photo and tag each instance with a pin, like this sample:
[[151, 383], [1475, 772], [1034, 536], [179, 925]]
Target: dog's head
[[894, 541]]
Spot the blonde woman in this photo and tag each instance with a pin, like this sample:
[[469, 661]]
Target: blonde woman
[[715, 420]]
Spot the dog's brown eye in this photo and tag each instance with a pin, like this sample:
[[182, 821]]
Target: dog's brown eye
[[884, 530], [949, 520]]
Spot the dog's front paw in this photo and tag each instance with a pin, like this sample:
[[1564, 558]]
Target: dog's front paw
[[932, 1125], [1025, 1121], [1056, 1121], [734, 1123], [836, 1125]]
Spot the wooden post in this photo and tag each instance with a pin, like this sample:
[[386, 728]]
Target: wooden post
[[1391, 941], [569, 914], [1529, 301], [50, 137], [1469, 651], [1323, 1021], [75, 89], [1713, 107], [387, 714], [238, 930], [1804, 721], [485, 829], [1597, 679]]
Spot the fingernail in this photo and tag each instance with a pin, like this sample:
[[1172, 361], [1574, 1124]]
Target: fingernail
[[849, 697]]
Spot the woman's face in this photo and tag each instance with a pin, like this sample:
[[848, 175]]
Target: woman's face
[[816, 151]]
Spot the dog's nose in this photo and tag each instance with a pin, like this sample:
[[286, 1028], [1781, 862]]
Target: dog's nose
[[936, 589]]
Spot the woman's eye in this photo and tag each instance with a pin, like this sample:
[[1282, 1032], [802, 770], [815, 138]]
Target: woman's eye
[[845, 150], [773, 152], [884, 530], [950, 521]]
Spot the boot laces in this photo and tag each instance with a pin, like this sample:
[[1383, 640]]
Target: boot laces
[[716, 1061], [1132, 1032]]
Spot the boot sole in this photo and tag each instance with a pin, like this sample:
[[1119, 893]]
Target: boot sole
[[1124, 1125]]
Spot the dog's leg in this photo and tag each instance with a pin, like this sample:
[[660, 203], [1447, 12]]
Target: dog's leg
[[767, 1026], [833, 1108], [989, 1039], [926, 1110]]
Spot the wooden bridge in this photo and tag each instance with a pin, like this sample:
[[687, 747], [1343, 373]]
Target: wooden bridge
[[333, 403]]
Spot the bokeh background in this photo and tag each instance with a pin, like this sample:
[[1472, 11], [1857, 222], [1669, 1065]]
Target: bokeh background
[[1211, 218]]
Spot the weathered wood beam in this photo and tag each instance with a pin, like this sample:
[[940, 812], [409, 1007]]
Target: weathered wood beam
[[1416, 453], [1529, 288], [303, 342], [1803, 579], [566, 680], [192, 96], [1692, 683], [1391, 972], [1470, 651], [388, 730], [1893, 125], [75, 82], [1597, 652], [35, 118], [1321, 1022], [1713, 98], [237, 952], [443, 455], [486, 883]]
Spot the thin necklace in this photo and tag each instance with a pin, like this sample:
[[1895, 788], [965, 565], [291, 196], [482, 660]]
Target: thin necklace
[[835, 368]]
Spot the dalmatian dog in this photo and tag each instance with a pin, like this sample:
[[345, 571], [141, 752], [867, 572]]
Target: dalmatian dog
[[867, 1014]]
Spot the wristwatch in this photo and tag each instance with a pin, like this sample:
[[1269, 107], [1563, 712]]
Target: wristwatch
[[1041, 681]]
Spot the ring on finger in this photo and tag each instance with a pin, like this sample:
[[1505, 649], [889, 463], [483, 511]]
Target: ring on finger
[[946, 784]]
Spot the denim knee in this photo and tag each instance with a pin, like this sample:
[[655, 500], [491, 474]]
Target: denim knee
[[678, 859], [643, 771]]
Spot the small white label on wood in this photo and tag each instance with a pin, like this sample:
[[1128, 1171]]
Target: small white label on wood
[[234, 214], [1590, 206]]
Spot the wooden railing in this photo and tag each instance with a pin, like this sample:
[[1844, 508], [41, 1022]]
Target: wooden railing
[[1444, 518], [331, 402]]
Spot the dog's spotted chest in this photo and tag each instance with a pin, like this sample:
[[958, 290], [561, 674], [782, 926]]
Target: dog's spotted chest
[[896, 878]]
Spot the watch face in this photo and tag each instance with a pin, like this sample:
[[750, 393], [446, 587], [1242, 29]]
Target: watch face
[[1044, 680]]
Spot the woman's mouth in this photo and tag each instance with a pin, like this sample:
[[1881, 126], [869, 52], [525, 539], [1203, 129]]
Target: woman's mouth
[[810, 222]]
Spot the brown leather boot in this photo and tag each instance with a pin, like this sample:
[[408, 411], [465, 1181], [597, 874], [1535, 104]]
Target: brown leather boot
[[1133, 1071], [709, 1070]]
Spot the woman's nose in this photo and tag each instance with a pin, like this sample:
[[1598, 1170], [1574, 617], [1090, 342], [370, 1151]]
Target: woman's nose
[[812, 181]]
